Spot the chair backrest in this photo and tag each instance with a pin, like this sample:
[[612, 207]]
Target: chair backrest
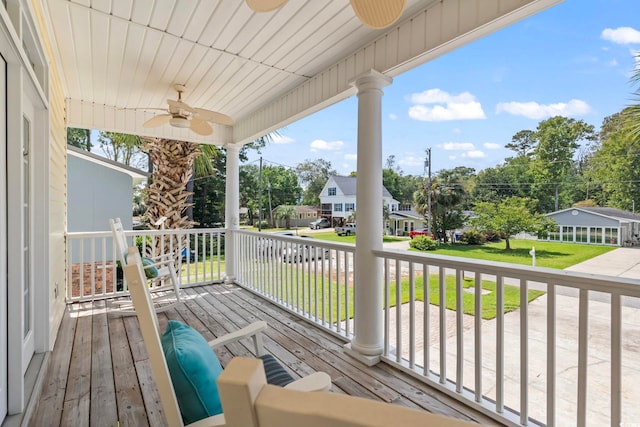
[[119, 239], [134, 274]]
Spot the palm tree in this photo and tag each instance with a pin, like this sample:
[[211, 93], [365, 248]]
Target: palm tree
[[286, 212], [633, 112], [167, 195]]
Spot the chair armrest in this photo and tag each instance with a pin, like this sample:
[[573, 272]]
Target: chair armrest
[[254, 331], [215, 420], [318, 381], [163, 257]]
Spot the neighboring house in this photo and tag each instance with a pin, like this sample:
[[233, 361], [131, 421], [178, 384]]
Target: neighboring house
[[596, 225], [304, 215], [405, 219], [338, 199], [98, 189]]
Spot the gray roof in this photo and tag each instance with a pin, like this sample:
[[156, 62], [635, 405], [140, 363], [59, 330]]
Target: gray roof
[[612, 212], [347, 185]]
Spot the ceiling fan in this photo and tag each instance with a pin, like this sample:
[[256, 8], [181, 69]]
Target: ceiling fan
[[373, 13], [181, 115]]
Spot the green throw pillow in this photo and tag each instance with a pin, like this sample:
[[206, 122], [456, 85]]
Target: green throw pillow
[[194, 369], [149, 272]]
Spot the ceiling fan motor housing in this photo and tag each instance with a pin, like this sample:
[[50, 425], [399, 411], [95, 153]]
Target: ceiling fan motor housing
[[179, 122]]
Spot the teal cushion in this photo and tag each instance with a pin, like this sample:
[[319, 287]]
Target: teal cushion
[[194, 369], [149, 272]]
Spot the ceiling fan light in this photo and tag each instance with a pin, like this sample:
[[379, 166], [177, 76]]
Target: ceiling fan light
[[179, 122]]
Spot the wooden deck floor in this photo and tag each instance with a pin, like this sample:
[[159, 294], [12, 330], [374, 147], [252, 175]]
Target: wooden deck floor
[[99, 373]]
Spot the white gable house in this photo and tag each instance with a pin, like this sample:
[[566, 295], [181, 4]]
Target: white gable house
[[338, 199]]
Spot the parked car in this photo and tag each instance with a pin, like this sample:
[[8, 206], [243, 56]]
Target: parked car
[[268, 245], [421, 232], [304, 252], [188, 254], [349, 229], [319, 223]]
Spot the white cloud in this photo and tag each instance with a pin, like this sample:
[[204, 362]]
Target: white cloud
[[322, 145], [351, 157], [533, 110], [393, 116], [491, 146], [621, 35], [281, 139], [474, 154], [454, 107], [453, 157], [458, 146]]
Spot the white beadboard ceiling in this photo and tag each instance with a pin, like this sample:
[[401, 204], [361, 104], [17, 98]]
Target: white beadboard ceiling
[[265, 70]]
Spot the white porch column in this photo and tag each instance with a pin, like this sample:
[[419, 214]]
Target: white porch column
[[367, 344], [232, 209]]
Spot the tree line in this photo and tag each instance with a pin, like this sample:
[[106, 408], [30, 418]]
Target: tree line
[[561, 163]]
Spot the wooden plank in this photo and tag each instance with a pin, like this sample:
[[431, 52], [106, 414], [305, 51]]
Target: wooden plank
[[77, 402], [409, 388], [103, 393], [150, 394], [53, 391], [131, 410]]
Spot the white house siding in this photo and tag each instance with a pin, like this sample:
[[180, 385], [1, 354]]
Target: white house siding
[[57, 180]]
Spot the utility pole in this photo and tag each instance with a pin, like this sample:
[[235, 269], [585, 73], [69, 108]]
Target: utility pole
[[260, 196], [427, 166], [270, 207]]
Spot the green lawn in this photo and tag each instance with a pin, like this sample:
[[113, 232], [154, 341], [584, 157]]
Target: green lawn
[[548, 254], [331, 236]]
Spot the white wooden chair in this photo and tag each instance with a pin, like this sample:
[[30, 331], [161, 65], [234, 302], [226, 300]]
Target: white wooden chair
[[165, 285], [150, 330]]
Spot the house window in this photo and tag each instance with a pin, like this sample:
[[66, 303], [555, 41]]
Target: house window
[[567, 233], [332, 191], [337, 207], [582, 235], [595, 235], [349, 207], [554, 235], [611, 235]]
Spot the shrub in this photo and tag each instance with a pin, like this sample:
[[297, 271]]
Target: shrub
[[492, 236], [423, 243], [472, 237]]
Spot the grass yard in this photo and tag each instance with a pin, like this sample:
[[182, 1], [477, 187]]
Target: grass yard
[[302, 293], [331, 236], [548, 254]]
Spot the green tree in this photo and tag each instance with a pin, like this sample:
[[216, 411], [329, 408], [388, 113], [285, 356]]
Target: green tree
[[613, 166], [553, 157], [123, 148], [286, 212], [448, 195], [632, 114], [80, 138], [313, 175], [511, 216], [513, 178], [399, 185]]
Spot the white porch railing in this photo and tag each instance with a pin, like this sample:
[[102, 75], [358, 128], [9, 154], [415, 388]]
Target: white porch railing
[[567, 357], [311, 278], [93, 273]]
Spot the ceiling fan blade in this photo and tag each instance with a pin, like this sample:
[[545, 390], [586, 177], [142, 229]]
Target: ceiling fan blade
[[200, 127], [378, 13], [156, 121], [174, 106], [213, 116], [265, 5]]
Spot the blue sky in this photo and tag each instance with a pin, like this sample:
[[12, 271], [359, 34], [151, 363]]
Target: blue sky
[[574, 59]]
